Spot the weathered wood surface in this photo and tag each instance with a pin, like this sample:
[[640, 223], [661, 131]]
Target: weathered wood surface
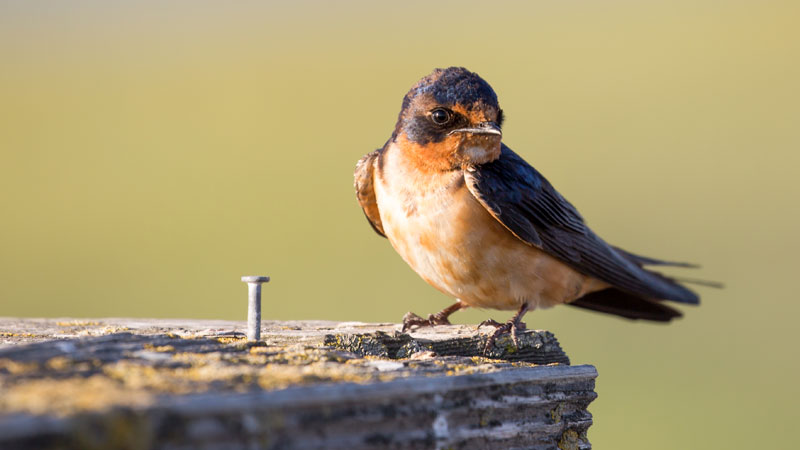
[[181, 384]]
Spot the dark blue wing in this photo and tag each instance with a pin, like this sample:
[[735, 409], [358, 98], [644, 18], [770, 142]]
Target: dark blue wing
[[522, 200]]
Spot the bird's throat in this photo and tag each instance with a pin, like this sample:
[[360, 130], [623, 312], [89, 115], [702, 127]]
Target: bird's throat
[[453, 153]]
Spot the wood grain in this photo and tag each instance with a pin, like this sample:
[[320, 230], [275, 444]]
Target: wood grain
[[180, 384]]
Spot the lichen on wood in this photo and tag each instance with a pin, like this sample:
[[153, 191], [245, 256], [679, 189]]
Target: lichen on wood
[[58, 377]]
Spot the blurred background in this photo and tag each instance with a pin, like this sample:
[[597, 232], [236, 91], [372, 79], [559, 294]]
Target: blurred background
[[151, 153]]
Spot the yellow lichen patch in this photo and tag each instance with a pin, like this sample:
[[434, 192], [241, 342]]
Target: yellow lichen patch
[[477, 360], [131, 374], [77, 323], [254, 359], [305, 355], [58, 363], [135, 376], [66, 396], [525, 364], [276, 376], [280, 376], [197, 358], [17, 367], [569, 440], [556, 412], [256, 349], [384, 377], [231, 339], [159, 348], [22, 335], [468, 369], [101, 331]]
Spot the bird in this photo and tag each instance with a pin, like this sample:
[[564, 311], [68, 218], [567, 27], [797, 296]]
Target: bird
[[480, 224]]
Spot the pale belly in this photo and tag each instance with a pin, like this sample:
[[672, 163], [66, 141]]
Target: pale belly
[[454, 244]]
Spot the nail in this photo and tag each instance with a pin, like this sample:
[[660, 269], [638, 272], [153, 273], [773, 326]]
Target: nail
[[254, 306]]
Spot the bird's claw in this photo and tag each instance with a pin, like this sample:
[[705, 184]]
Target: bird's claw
[[491, 323], [512, 326], [412, 320]]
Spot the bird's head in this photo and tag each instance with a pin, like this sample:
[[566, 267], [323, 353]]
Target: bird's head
[[450, 119]]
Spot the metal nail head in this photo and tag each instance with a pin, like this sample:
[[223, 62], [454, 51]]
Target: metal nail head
[[254, 306]]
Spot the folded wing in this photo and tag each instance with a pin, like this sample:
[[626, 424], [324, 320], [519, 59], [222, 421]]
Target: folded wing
[[522, 200], [365, 191]]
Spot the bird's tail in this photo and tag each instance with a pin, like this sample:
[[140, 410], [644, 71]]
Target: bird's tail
[[699, 282], [646, 261], [621, 303]]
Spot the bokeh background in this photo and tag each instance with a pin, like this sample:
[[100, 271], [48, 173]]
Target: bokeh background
[[151, 153]]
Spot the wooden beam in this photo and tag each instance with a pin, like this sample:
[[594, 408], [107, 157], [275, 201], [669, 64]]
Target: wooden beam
[[180, 384]]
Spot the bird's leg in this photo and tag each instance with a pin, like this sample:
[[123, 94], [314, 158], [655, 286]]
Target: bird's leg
[[514, 325], [440, 318]]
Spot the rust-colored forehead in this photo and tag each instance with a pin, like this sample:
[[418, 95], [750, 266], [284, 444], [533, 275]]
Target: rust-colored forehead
[[477, 113]]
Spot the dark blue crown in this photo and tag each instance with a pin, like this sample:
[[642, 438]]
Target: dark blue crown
[[454, 85]]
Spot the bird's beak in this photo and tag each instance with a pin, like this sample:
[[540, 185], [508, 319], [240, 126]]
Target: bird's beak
[[479, 144], [487, 128]]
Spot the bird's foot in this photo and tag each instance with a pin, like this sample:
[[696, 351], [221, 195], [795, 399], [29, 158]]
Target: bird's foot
[[513, 326], [413, 320]]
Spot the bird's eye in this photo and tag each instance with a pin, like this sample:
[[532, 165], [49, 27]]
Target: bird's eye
[[440, 116]]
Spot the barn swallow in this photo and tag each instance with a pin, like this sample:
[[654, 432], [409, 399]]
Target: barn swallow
[[480, 224]]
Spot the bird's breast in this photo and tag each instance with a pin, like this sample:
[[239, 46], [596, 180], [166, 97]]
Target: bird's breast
[[454, 244]]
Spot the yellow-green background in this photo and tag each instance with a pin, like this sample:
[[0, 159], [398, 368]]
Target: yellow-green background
[[151, 153]]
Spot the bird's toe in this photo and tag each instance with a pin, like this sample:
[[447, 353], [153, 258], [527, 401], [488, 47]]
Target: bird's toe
[[511, 327], [414, 320], [490, 323]]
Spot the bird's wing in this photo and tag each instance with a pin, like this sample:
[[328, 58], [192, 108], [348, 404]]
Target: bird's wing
[[365, 191], [522, 200]]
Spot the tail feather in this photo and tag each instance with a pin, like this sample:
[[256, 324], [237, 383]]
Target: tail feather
[[699, 282], [677, 292], [621, 303], [646, 261]]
